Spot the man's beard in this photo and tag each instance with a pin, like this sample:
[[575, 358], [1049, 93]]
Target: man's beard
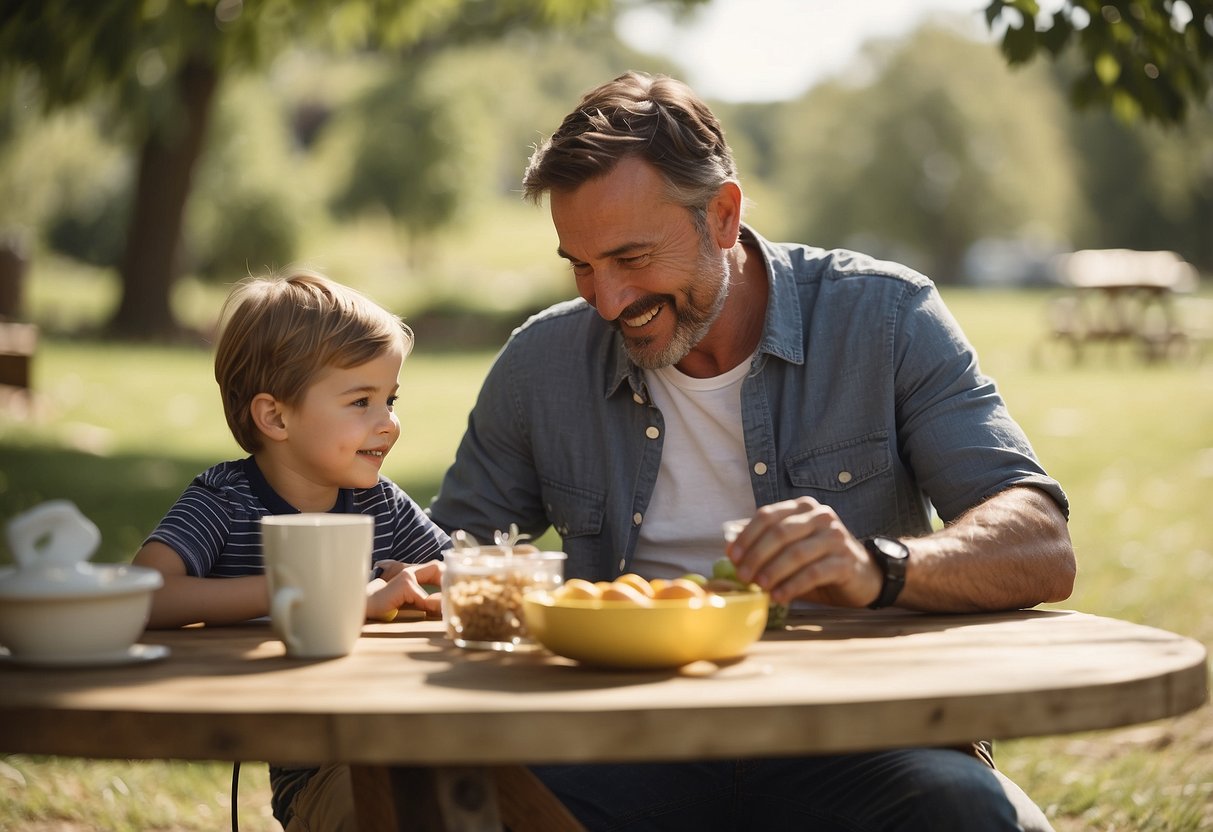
[[693, 317]]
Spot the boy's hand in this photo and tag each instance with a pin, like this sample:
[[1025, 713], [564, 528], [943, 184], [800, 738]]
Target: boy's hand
[[400, 586]]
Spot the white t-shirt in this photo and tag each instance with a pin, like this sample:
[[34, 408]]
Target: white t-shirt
[[704, 478]]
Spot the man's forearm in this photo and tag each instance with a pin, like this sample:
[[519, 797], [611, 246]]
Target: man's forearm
[[1011, 552]]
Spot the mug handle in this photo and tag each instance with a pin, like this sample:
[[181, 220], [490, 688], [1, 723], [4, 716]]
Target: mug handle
[[284, 602]]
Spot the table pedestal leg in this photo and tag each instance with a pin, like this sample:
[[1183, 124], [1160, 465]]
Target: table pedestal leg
[[375, 800], [529, 806], [446, 799], [456, 799]]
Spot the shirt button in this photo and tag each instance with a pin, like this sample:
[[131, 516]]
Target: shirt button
[[844, 477], [639, 399], [651, 432], [636, 518], [760, 468], [623, 564]]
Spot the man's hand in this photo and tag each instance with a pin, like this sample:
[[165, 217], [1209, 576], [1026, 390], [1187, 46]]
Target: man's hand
[[1010, 552], [400, 586], [799, 549]]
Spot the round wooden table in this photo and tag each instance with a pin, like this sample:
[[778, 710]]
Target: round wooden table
[[406, 699]]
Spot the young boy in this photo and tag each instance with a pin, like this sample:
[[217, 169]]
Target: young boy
[[308, 371]]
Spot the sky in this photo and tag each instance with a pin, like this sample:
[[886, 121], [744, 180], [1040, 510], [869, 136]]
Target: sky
[[770, 50]]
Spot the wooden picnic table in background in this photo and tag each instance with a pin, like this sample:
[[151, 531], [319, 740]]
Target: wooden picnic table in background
[[1120, 296]]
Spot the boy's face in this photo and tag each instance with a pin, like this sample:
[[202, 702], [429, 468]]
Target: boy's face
[[339, 434]]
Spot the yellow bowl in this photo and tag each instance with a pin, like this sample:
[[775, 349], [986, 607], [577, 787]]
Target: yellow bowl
[[670, 633]]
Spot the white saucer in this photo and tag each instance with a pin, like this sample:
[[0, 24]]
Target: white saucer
[[134, 654]]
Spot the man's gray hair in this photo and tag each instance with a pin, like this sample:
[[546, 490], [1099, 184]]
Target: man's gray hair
[[656, 118]]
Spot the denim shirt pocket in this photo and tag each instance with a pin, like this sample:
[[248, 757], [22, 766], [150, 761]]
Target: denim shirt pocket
[[854, 477], [573, 511], [577, 515]]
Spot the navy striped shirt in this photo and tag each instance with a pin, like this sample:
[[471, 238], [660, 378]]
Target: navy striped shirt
[[215, 526]]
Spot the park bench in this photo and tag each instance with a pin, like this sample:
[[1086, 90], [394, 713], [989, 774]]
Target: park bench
[[18, 341]]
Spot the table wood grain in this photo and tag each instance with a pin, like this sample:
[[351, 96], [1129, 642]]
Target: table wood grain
[[833, 681]]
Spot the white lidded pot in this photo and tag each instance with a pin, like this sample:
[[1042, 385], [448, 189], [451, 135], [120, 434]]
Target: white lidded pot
[[55, 606]]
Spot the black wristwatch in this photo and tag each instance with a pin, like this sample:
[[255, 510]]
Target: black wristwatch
[[891, 556]]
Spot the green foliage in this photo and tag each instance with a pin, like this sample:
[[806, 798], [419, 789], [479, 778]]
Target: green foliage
[[135, 50], [160, 61], [1149, 186], [930, 146], [253, 231], [250, 205], [128, 52], [61, 177], [1139, 58], [412, 157], [91, 232], [429, 140], [536, 78], [940, 149]]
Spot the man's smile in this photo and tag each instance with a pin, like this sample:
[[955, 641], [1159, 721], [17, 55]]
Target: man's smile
[[643, 318]]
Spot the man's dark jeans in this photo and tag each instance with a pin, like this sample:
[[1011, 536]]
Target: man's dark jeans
[[932, 790]]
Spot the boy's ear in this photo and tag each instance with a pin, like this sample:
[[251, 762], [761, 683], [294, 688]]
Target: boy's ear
[[267, 415]]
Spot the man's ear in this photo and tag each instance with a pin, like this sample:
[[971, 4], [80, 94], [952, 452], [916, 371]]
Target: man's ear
[[724, 215], [268, 416]]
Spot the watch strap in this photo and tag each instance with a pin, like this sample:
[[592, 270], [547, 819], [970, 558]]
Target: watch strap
[[892, 566]]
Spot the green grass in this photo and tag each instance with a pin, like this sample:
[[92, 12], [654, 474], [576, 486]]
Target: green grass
[[40, 794], [121, 429], [1133, 446]]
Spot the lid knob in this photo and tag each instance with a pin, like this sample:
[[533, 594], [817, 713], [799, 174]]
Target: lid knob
[[55, 533]]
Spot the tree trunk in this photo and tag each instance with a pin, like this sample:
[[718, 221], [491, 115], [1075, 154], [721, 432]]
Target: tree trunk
[[153, 238]]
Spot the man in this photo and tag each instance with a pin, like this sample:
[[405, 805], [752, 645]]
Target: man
[[708, 374]]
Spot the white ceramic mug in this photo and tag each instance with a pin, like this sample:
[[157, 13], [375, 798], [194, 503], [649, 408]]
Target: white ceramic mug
[[317, 566]]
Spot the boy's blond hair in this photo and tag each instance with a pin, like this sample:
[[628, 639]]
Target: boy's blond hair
[[278, 332]]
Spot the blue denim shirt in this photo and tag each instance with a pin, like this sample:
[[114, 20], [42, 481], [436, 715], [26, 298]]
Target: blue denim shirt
[[863, 394]]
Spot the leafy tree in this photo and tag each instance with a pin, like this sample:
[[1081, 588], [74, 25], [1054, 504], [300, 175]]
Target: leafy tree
[[939, 149], [1139, 58], [1148, 186], [161, 62], [251, 198], [61, 175], [416, 158], [1138, 73]]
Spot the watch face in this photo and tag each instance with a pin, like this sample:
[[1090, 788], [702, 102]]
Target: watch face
[[891, 548]]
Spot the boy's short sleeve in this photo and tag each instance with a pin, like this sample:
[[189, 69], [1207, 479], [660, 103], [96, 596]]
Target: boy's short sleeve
[[197, 528], [409, 535]]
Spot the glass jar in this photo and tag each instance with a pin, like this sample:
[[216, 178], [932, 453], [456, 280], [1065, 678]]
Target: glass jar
[[482, 589]]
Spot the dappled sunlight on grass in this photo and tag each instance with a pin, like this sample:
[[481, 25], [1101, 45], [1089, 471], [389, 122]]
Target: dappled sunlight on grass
[[130, 796]]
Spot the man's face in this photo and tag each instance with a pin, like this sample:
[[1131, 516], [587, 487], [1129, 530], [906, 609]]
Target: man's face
[[641, 262]]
